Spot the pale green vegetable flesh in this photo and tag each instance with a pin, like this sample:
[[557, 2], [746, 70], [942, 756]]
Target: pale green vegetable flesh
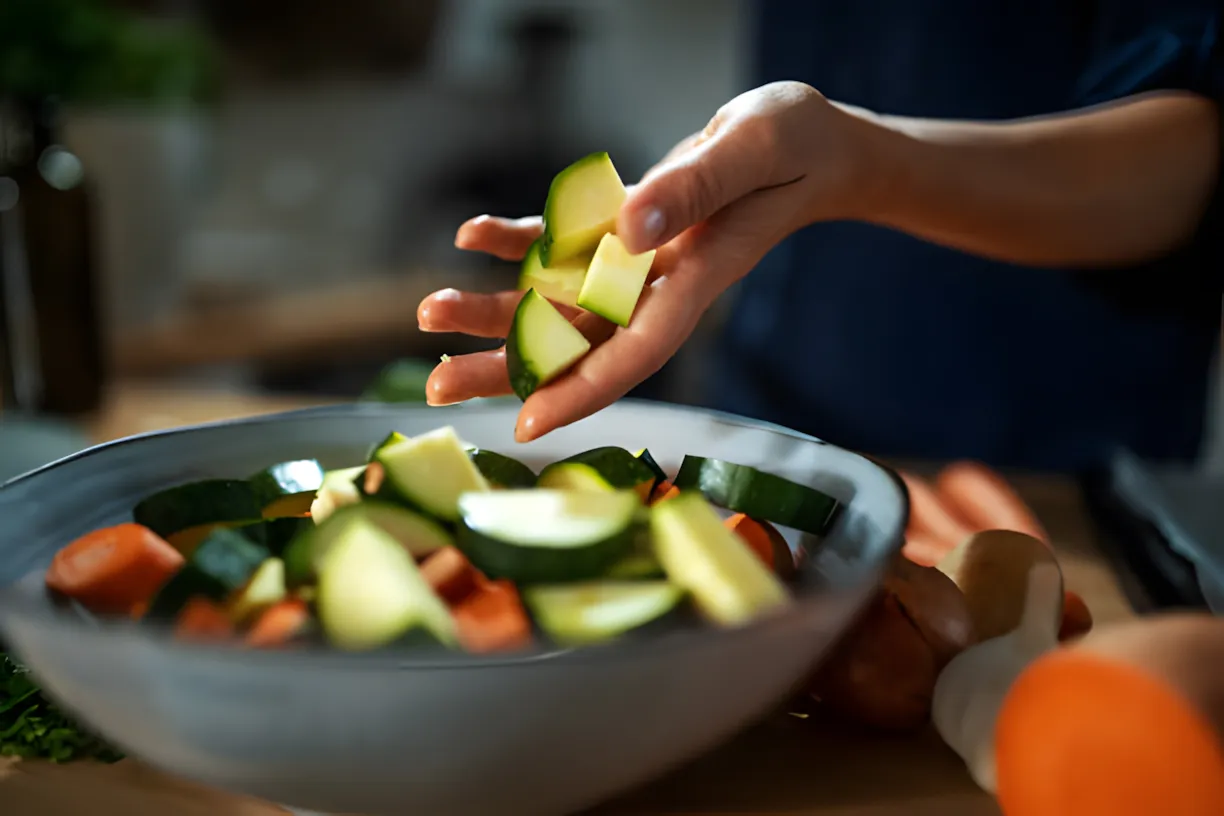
[[614, 280]]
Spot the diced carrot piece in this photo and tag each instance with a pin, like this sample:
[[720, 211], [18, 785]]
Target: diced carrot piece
[[375, 475], [279, 624], [203, 621], [1083, 734], [112, 570], [492, 619], [755, 535], [663, 491], [1077, 618], [451, 575]]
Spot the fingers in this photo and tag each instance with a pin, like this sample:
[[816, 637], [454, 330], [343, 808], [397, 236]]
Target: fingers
[[505, 238], [707, 174], [468, 376], [479, 315]]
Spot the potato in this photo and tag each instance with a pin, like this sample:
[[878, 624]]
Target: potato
[[882, 673]]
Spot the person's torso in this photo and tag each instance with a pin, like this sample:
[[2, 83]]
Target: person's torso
[[881, 342]]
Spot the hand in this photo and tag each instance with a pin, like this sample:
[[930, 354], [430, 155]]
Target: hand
[[771, 161]]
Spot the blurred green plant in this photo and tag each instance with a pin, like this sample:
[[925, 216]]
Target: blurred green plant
[[401, 381], [87, 52]]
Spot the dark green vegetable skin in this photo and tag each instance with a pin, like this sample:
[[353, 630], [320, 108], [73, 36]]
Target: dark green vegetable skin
[[620, 468], [523, 381], [502, 470], [744, 489], [32, 727], [221, 565], [197, 503], [286, 479], [539, 565]]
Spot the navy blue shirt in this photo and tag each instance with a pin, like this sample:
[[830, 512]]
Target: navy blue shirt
[[887, 344]]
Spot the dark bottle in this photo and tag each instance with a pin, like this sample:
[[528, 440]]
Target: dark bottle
[[52, 356]]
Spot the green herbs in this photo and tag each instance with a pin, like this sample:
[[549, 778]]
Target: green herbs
[[31, 727]]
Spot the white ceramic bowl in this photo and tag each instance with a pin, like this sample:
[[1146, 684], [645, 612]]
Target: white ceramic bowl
[[538, 734]]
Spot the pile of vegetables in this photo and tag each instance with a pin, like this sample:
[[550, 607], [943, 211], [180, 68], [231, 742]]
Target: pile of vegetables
[[435, 543]]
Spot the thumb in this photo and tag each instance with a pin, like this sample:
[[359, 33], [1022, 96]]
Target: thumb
[[691, 187]]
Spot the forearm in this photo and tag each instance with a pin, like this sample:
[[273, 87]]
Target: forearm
[[1099, 187]]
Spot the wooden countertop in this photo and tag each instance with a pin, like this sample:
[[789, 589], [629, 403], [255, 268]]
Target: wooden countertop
[[786, 765]]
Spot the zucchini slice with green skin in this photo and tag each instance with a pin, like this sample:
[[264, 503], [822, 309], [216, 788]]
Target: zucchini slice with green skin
[[230, 557], [185, 515], [288, 488], [583, 202], [744, 489], [547, 536], [431, 472], [189, 582], [541, 345], [339, 489], [614, 280], [649, 461], [728, 583], [560, 284], [371, 593], [393, 438], [607, 468], [502, 471], [637, 566], [266, 588], [595, 611], [418, 535]]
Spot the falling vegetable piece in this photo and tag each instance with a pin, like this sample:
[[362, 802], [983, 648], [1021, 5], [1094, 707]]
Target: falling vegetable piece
[[1128, 722], [971, 688], [203, 621], [113, 570], [985, 500], [279, 624], [493, 619]]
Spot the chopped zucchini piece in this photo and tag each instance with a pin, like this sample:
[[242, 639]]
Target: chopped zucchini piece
[[614, 280], [541, 346], [583, 202], [339, 489], [266, 587], [502, 471], [547, 535], [744, 489], [607, 468], [288, 488], [728, 583], [431, 471], [597, 611], [560, 284], [185, 515]]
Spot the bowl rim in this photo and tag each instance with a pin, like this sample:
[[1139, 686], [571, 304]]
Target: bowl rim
[[122, 632]]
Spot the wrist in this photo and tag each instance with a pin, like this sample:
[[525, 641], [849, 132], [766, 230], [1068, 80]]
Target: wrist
[[881, 166]]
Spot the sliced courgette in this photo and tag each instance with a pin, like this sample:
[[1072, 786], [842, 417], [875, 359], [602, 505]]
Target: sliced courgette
[[393, 438], [431, 471], [371, 593], [185, 515], [614, 280], [744, 489], [230, 556], [546, 535], [607, 468], [339, 489], [728, 583], [288, 488], [541, 345], [655, 467], [637, 566], [277, 534], [597, 611], [502, 471], [583, 202], [265, 588], [417, 535], [189, 582], [561, 284]]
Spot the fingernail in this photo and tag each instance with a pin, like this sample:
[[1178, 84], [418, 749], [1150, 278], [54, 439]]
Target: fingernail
[[524, 431], [652, 224]]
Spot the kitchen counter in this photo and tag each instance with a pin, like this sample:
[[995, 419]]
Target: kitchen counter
[[793, 765]]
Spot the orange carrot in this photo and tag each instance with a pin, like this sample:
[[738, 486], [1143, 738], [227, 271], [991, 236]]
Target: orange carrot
[[985, 500], [373, 479], [663, 491], [451, 575], [1077, 618], [1079, 733], [204, 621], [923, 548], [492, 619], [931, 513], [755, 534], [112, 570], [279, 624]]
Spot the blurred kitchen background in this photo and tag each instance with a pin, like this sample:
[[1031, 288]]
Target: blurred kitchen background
[[272, 186]]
